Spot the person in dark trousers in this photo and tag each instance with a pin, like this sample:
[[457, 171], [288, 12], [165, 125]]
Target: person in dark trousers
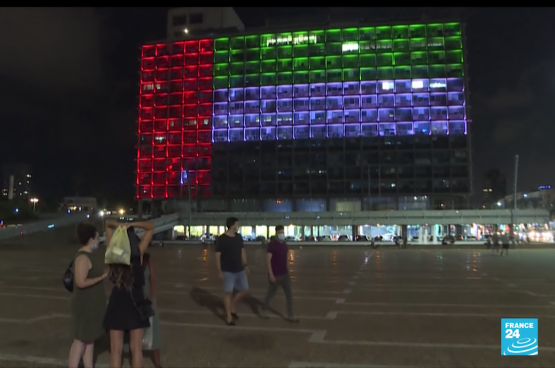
[[505, 240], [277, 257], [495, 242], [231, 261]]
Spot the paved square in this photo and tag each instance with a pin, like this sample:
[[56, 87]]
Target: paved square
[[358, 307]]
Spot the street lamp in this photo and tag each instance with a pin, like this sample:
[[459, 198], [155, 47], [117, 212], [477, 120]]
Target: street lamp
[[34, 201]]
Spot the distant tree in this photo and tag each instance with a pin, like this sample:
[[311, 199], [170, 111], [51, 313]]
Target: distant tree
[[14, 211]]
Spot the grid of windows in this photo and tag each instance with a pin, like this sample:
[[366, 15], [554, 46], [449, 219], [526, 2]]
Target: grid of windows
[[388, 166], [369, 81], [175, 120]]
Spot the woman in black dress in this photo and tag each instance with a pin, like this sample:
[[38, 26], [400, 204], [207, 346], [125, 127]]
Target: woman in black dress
[[122, 313]]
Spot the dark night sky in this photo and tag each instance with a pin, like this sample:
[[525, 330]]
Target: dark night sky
[[69, 90]]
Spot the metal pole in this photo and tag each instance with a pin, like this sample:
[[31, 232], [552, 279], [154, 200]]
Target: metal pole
[[514, 217], [369, 192], [380, 182], [190, 202]]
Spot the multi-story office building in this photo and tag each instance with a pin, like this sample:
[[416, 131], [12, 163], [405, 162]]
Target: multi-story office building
[[357, 117], [17, 181], [494, 188]]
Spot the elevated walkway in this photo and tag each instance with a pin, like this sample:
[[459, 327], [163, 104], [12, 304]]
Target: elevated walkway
[[161, 224], [432, 217], [53, 227], [43, 225]]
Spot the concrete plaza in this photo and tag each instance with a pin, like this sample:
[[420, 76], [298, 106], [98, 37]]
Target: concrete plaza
[[358, 307]]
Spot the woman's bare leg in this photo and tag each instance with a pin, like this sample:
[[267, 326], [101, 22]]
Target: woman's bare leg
[[116, 348], [156, 358], [136, 347], [88, 356], [75, 353]]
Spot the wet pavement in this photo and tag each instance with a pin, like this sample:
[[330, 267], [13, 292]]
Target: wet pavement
[[358, 308]]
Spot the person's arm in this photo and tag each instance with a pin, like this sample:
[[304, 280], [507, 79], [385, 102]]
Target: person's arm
[[152, 279], [81, 270], [218, 253], [243, 254], [269, 264], [148, 227]]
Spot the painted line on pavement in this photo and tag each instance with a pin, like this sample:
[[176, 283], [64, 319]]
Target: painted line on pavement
[[370, 304], [319, 338], [332, 315], [35, 296], [299, 364], [41, 361]]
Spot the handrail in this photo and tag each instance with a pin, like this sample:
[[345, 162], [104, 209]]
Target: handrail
[[159, 225], [42, 225]]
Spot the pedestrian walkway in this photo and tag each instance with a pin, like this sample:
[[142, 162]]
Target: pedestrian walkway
[[358, 308]]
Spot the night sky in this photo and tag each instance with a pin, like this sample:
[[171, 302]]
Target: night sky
[[69, 80]]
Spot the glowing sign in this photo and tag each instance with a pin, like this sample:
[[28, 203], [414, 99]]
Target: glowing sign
[[287, 40]]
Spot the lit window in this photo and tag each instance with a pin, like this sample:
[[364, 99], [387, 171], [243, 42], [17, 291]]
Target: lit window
[[387, 85], [417, 84], [350, 46], [438, 85]]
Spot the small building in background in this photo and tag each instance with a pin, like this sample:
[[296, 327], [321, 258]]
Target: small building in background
[[79, 204]]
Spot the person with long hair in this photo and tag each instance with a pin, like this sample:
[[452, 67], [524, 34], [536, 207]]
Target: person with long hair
[[123, 312], [88, 300], [149, 291]]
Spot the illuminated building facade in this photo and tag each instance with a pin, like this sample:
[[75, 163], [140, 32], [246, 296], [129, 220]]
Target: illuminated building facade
[[361, 113]]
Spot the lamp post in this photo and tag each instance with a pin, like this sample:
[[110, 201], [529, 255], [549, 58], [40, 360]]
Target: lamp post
[[34, 201], [514, 211], [369, 192]]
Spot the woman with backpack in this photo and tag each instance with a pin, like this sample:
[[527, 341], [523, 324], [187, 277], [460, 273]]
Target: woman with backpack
[[128, 309]]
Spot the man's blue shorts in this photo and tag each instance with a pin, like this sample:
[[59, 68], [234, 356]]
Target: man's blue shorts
[[235, 281]]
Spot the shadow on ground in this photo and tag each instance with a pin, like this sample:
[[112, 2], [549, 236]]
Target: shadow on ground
[[215, 304]]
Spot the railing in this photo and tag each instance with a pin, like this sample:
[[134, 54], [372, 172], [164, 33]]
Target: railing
[[42, 225], [162, 223], [439, 217]]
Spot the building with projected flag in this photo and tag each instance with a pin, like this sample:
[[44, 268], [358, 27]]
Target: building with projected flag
[[360, 117]]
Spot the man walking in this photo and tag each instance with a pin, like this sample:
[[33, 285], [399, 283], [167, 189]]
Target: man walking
[[505, 240], [231, 261], [277, 256]]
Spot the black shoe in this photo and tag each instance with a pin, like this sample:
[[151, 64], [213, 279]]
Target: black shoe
[[234, 316], [230, 323]]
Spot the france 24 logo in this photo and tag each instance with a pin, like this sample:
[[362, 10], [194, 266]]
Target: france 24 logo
[[519, 336]]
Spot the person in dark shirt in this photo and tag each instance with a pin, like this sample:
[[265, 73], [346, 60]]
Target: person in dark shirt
[[231, 260], [277, 256]]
